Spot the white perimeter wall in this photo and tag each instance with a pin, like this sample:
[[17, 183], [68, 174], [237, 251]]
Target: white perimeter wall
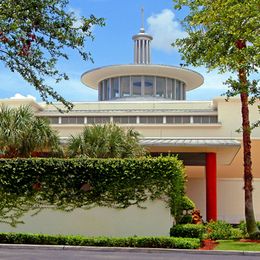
[[155, 220]]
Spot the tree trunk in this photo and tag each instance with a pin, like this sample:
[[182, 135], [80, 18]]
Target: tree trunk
[[248, 177]]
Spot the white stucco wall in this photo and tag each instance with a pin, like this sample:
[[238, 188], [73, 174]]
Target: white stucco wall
[[155, 220], [230, 196]]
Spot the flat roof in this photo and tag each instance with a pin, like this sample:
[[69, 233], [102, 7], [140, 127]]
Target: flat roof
[[191, 78]]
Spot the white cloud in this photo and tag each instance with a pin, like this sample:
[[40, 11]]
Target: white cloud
[[212, 87], [20, 96], [76, 13], [165, 29], [79, 22], [213, 79], [74, 90]]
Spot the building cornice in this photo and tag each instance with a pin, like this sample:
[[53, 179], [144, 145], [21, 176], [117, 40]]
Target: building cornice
[[191, 78]]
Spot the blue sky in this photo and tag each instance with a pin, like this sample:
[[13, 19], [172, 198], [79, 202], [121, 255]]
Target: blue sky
[[113, 45]]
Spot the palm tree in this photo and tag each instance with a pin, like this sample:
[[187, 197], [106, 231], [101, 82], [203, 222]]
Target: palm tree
[[105, 141], [21, 133]]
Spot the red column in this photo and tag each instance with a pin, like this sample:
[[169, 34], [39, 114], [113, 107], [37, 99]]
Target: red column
[[211, 186]]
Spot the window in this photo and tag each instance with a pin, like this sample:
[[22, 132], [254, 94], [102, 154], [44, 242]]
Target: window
[[169, 88], [213, 119], [148, 86], [177, 119], [137, 85], [54, 119], [151, 120], [124, 119], [178, 90], [115, 88], [103, 90], [98, 119], [183, 91], [205, 119], [72, 120], [125, 86], [160, 87], [100, 91]]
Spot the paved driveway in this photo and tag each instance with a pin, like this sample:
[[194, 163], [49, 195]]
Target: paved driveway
[[13, 253]]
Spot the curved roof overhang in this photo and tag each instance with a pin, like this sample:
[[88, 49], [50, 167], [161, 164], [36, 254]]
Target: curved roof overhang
[[191, 78]]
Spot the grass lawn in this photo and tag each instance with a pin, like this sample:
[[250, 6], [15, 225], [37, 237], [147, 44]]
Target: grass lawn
[[237, 245]]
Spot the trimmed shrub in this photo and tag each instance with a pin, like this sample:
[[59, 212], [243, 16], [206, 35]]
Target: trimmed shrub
[[187, 230], [236, 233], [67, 184], [186, 219], [187, 204], [218, 230], [151, 242]]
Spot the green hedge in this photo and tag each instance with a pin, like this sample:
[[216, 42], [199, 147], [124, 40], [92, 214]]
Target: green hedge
[[151, 242], [188, 230], [218, 230], [71, 183]]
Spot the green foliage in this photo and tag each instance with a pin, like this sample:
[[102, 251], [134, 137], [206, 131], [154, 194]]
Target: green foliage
[[255, 236], [236, 233], [68, 184], [188, 230], [185, 219], [218, 230], [220, 36], [21, 133], [224, 35], [34, 34], [242, 227], [213, 30], [187, 204], [184, 216], [105, 141], [152, 242]]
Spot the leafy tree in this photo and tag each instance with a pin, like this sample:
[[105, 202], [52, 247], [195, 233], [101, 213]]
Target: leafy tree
[[21, 133], [34, 34], [105, 141], [224, 35]]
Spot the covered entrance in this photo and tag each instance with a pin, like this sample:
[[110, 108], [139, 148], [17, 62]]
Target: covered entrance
[[199, 152]]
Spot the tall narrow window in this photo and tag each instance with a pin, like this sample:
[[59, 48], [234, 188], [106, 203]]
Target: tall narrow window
[[125, 86], [160, 87], [183, 91], [105, 89], [100, 91], [178, 90], [137, 85], [115, 88], [169, 89], [148, 86]]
